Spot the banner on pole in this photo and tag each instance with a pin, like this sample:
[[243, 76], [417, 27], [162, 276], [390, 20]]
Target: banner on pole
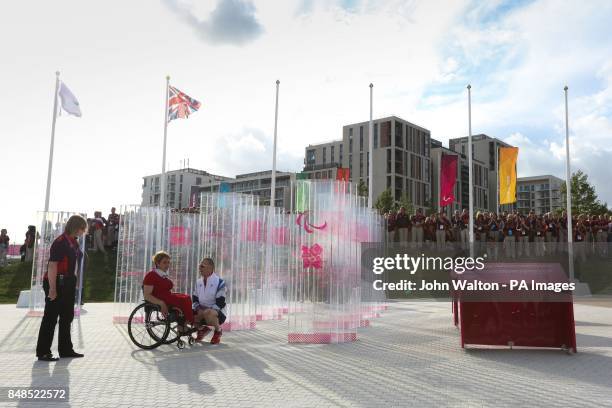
[[507, 174], [448, 178], [342, 174]]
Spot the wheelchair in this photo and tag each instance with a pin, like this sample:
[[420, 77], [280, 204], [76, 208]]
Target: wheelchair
[[148, 328]]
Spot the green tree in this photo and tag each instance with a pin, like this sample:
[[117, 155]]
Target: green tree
[[362, 188], [584, 197], [384, 202], [405, 202]]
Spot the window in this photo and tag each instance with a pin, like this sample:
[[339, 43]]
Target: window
[[350, 132], [324, 154], [181, 178], [399, 183], [388, 160], [360, 164], [350, 165], [351, 145], [388, 181], [368, 163], [409, 189], [145, 183], [385, 134], [198, 181], [399, 134], [399, 167], [340, 154], [333, 158], [310, 157], [423, 140], [361, 139], [463, 149], [376, 135], [410, 136]]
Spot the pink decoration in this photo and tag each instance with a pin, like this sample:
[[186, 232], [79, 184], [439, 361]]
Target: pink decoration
[[180, 236], [311, 257], [280, 236], [252, 231]]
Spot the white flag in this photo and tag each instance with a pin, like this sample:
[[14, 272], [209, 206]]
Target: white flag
[[69, 101]]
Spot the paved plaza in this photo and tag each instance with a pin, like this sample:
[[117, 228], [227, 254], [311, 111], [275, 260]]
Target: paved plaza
[[409, 357]]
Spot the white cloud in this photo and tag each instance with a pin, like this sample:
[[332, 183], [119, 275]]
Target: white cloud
[[230, 22]]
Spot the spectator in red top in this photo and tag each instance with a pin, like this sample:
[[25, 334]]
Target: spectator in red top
[[112, 227], [418, 221], [59, 284], [98, 225], [157, 289], [403, 225], [4, 244], [442, 226]]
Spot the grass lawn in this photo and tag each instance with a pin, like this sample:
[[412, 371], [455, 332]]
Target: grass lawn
[[14, 278], [99, 279]]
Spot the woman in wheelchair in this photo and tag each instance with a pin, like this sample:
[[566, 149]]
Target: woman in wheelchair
[[157, 290], [209, 300]]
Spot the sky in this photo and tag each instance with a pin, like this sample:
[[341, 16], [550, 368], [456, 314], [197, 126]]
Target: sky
[[228, 54]]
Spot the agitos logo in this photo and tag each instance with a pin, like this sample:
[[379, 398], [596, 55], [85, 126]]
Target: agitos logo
[[302, 221]]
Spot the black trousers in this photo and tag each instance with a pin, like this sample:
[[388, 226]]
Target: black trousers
[[62, 307]]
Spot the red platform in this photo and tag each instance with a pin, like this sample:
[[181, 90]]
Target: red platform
[[534, 319]]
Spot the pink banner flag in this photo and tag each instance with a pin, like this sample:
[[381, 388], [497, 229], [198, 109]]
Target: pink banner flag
[[448, 178]]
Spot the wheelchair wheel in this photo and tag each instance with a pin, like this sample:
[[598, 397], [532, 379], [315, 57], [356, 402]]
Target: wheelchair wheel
[[172, 332], [147, 327]]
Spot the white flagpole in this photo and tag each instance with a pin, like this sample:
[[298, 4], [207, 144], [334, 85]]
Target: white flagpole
[[470, 171], [371, 151], [273, 192], [162, 197], [497, 178], [568, 184], [439, 180], [50, 169]]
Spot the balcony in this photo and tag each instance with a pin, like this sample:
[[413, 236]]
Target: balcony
[[324, 166]]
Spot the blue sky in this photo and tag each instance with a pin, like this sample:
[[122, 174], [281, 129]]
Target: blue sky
[[420, 55]]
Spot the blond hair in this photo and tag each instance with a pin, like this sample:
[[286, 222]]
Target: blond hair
[[160, 256]]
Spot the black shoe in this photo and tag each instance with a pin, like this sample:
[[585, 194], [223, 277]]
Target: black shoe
[[47, 357], [72, 354]]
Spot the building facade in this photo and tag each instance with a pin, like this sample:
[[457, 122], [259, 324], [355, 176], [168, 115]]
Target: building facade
[[485, 150], [541, 194], [400, 158], [178, 186], [258, 184]]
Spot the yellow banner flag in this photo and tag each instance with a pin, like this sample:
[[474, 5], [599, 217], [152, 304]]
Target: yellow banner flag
[[507, 174]]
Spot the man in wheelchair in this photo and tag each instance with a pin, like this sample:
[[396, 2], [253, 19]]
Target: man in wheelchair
[[157, 288], [209, 301]]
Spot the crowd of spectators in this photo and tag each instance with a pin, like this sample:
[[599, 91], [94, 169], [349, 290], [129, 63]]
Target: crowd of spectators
[[519, 234]]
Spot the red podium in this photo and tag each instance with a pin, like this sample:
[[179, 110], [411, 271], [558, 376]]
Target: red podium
[[512, 317]]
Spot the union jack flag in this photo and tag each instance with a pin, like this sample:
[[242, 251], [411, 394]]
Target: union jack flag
[[180, 105]]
